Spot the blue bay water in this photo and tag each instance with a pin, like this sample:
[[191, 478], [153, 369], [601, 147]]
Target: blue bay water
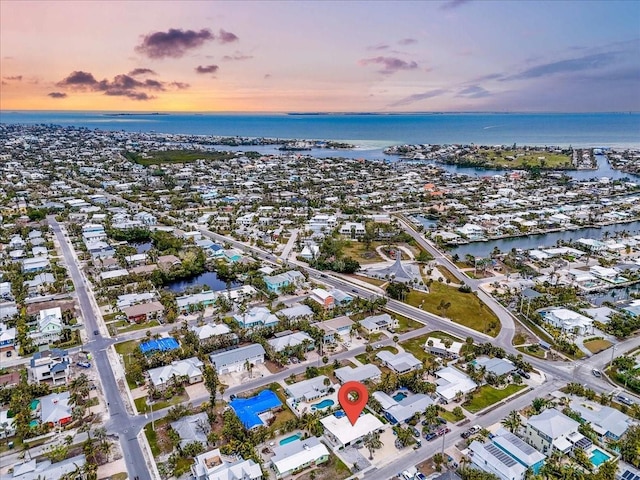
[[371, 131]]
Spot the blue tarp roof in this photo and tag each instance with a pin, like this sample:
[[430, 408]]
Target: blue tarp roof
[[248, 409], [161, 345]]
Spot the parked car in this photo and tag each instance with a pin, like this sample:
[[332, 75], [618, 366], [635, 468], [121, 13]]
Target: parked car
[[96, 332], [9, 353], [415, 432], [524, 374], [625, 400], [417, 445], [473, 430], [441, 421], [83, 364], [430, 436], [596, 373]]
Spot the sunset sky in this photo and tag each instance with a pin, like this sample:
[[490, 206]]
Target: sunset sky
[[454, 55]]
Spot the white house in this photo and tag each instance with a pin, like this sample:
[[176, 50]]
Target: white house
[[568, 321], [213, 465], [235, 359], [341, 433], [550, 429], [297, 455], [310, 389], [451, 381], [490, 458], [436, 346], [401, 362], [49, 328], [209, 330], [50, 366], [188, 370]]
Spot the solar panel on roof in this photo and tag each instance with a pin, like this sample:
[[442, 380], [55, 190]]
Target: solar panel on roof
[[500, 455], [629, 475], [520, 444]]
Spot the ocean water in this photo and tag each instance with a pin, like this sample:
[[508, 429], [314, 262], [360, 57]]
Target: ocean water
[[370, 131]]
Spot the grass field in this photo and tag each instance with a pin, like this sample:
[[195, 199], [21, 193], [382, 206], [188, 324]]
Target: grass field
[[359, 252], [370, 357], [333, 469], [449, 416], [405, 324], [487, 395], [143, 406], [551, 160], [447, 274], [372, 281], [535, 352], [465, 308], [416, 347], [597, 346]]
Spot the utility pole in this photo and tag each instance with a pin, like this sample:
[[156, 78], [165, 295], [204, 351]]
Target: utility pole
[[613, 352]]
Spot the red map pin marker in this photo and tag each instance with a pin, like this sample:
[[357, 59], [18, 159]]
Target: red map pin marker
[[353, 396]]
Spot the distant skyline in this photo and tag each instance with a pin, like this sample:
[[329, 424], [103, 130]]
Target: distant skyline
[[321, 56]]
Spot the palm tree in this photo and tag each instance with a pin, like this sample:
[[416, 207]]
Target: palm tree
[[431, 415], [512, 421], [372, 443], [539, 404]]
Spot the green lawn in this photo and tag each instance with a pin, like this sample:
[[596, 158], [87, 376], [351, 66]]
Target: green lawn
[[370, 357], [449, 417], [125, 349], [487, 395], [359, 252], [372, 281], [533, 351], [597, 346], [447, 274], [465, 308], [125, 326], [416, 347], [143, 406], [405, 324], [152, 437]]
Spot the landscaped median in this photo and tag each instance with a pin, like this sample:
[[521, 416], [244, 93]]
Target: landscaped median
[[487, 395]]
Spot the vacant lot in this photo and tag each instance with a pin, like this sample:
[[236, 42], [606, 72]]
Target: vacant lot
[[487, 395], [597, 346], [463, 308]]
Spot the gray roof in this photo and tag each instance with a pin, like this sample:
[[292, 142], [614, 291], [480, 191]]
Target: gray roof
[[236, 355], [517, 448], [497, 366], [299, 390], [553, 423], [45, 470], [190, 428], [603, 418], [358, 374], [400, 361]]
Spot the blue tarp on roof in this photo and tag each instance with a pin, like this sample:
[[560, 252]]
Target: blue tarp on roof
[[248, 409], [160, 345]]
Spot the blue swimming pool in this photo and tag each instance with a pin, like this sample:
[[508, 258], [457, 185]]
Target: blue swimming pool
[[290, 439], [398, 397], [598, 457], [323, 404], [339, 414]]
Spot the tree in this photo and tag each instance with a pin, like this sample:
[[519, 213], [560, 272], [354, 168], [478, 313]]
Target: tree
[[512, 421], [629, 445], [397, 290], [539, 404], [372, 443]]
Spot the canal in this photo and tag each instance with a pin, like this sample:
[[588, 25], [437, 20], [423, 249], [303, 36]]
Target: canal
[[209, 279]]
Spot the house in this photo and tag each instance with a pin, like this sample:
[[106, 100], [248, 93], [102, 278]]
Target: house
[[8, 310], [321, 296], [255, 411], [50, 366], [489, 458], [398, 411], [451, 382], [275, 283], [308, 390], [209, 330], [353, 229], [341, 433], [200, 300], [295, 456], [130, 299], [568, 320], [609, 423], [363, 373], [437, 346], [45, 469], [402, 362], [113, 274], [340, 297], [7, 425], [145, 218], [296, 312], [376, 323], [288, 341], [236, 359], [143, 311], [55, 409], [49, 327], [256, 317], [192, 428], [36, 264], [550, 430], [188, 371], [7, 338], [339, 326], [496, 366], [213, 465], [517, 449], [309, 252]]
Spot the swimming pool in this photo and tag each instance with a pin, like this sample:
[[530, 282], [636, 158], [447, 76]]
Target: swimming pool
[[339, 414], [598, 457], [290, 439], [398, 397], [323, 404]]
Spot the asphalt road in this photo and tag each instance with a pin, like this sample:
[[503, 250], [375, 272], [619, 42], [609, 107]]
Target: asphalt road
[[119, 422]]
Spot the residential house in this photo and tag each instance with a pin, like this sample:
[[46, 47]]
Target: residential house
[[130, 299], [192, 428], [398, 411], [353, 229], [402, 362], [285, 342], [213, 465], [55, 409], [49, 326], [324, 298], [256, 317], [375, 323], [295, 456], [339, 326], [489, 458], [308, 390], [551, 430], [188, 371], [275, 283], [517, 449], [568, 320], [45, 469], [296, 312], [437, 346], [609, 423], [201, 300], [341, 433], [143, 312], [235, 359], [7, 425], [451, 382], [496, 366], [7, 338], [363, 373], [50, 366], [36, 264], [209, 330], [340, 297]]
